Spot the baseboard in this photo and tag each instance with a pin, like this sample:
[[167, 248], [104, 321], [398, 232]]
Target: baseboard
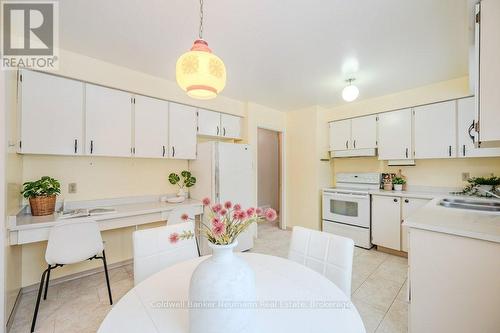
[[78, 275], [8, 325], [391, 251]]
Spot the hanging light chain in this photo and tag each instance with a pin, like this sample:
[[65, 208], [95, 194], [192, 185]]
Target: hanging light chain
[[201, 20]]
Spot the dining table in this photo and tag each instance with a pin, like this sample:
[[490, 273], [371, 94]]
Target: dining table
[[291, 298]]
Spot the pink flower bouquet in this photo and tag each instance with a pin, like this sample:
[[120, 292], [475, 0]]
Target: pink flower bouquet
[[227, 221]]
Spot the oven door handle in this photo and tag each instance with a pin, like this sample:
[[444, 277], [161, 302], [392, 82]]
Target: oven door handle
[[346, 196]]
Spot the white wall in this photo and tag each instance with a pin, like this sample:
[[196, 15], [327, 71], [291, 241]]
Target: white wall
[[12, 182], [268, 168]]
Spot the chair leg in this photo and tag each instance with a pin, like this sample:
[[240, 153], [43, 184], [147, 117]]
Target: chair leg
[[47, 284], [42, 280], [107, 277]]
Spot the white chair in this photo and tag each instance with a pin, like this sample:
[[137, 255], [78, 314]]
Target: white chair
[[326, 253], [70, 243], [154, 251]]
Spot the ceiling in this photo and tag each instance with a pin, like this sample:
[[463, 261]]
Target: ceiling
[[285, 54]]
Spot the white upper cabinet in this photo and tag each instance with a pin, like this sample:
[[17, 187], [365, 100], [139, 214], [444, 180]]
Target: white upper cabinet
[[182, 131], [209, 123], [364, 132], [230, 126], [395, 135], [51, 120], [150, 127], [340, 135], [466, 133], [108, 121], [435, 130], [487, 53]]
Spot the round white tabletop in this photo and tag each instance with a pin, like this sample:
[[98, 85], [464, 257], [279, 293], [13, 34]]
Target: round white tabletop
[[291, 298]]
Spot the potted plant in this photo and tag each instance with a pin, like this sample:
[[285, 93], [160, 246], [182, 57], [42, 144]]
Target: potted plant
[[398, 183], [222, 276], [188, 180], [482, 186], [42, 195]]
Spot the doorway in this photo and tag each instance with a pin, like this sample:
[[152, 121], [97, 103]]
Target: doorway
[[270, 172]]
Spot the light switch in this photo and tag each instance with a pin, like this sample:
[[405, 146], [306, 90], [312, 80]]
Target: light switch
[[72, 188]]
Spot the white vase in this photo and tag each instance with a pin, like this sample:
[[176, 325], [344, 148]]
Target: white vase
[[398, 187], [182, 193], [221, 293]]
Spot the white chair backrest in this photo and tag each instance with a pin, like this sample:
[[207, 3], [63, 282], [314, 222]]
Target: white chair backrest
[[174, 216], [153, 250], [72, 242], [326, 253]]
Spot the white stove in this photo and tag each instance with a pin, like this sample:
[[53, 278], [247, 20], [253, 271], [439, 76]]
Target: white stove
[[346, 207]]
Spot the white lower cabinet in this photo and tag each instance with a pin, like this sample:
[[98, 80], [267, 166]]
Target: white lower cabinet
[[182, 131], [408, 207], [388, 212], [386, 221], [454, 283]]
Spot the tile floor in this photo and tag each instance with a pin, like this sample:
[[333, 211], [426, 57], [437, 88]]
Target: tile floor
[[79, 306]]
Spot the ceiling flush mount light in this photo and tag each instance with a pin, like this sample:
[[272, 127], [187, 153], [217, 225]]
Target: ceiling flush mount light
[[351, 92], [199, 72]]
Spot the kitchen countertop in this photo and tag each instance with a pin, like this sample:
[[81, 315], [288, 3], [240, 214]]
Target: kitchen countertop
[[421, 192], [456, 221], [125, 207]]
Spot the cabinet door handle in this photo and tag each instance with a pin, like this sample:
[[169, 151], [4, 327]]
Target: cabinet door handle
[[471, 128], [395, 200], [91, 146], [354, 143], [217, 130], [163, 151], [406, 153], [406, 200], [347, 144], [449, 150], [76, 145], [173, 151], [224, 131], [463, 150]]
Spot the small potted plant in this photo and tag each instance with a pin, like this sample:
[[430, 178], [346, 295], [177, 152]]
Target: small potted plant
[[398, 183], [188, 180], [482, 186], [42, 195]]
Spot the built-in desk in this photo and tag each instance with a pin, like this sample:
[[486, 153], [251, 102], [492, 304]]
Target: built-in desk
[[24, 228]]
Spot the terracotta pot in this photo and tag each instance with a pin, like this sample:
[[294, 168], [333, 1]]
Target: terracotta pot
[[43, 205]]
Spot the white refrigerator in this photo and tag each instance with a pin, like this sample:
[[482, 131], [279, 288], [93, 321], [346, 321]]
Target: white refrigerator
[[225, 172]]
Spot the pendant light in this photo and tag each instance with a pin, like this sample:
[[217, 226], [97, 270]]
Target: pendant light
[[199, 72], [351, 92]]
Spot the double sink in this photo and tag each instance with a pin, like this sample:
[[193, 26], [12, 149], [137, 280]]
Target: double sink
[[479, 205]]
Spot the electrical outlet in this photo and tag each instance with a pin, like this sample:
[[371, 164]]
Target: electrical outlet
[[465, 176], [72, 188]]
